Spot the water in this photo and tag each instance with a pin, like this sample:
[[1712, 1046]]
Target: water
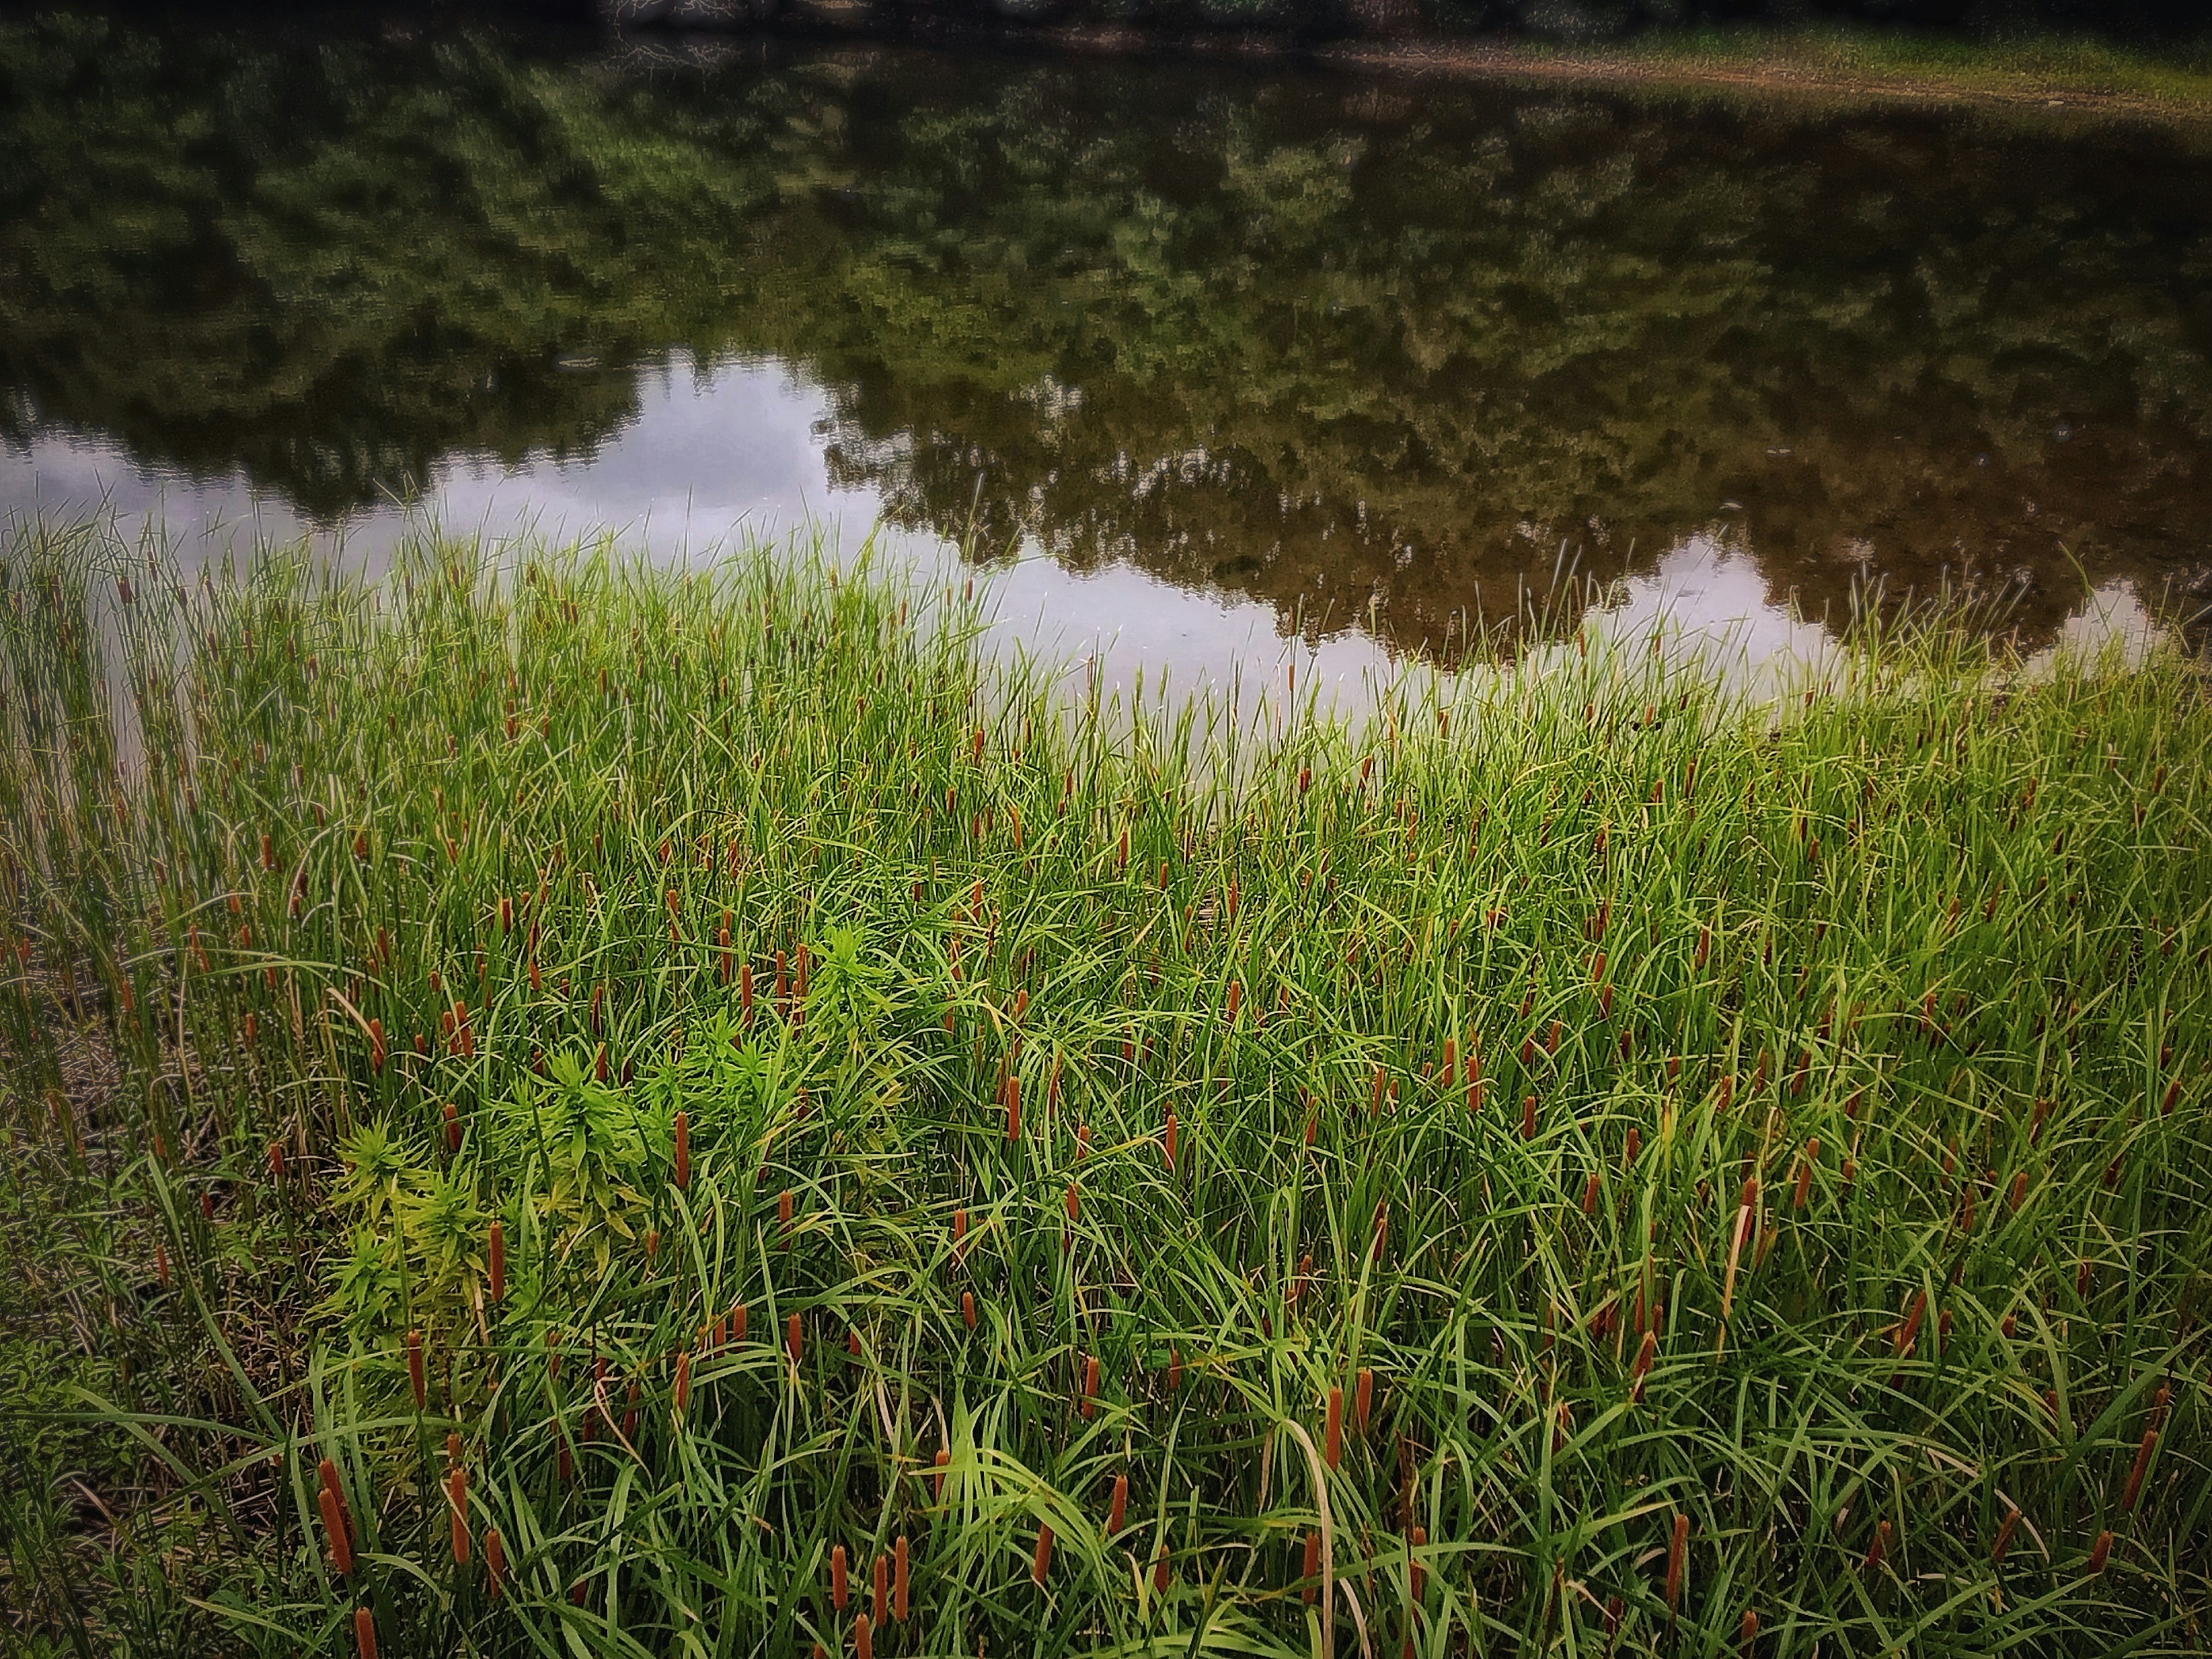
[[1207, 358]]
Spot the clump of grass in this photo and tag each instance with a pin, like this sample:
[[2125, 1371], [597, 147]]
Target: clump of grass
[[1746, 1167]]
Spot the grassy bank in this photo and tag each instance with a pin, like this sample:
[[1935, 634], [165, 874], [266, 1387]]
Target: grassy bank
[[1853, 68], [660, 1086]]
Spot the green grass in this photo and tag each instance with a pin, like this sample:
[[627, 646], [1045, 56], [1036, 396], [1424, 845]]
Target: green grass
[[1946, 922]]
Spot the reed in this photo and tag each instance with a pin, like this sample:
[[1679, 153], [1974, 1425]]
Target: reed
[[1858, 1176]]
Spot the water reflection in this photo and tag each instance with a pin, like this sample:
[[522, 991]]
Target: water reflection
[[1234, 358]]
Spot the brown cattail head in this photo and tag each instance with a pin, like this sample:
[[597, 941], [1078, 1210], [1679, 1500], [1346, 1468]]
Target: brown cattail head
[[337, 1524], [1416, 1571], [364, 1633], [1118, 1505], [2143, 1450], [1013, 1106], [1090, 1401], [740, 1316], [837, 1587], [1878, 1550], [794, 1338], [863, 1637], [1645, 1352], [1749, 1628], [1040, 1562], [683, 1378], [2004, 1535], [1528, 1117], [1677, 1558], [899, 1579], [682, 1151], [416, 1384], [276, 1160], [1168, 1139], [457, 1499], [494, 1552], [1333, 1434], [968, 1309], [938, 1466], [1074, 1202], [783, 1209], [1311, 1568], [879, 1578], [2101, 1552]]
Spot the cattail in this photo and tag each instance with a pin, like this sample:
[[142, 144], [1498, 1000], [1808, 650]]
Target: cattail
[[2149, 1445], [1174, 1368], [1630, 1148], [1416, 1571], [1115, 1509], [2101, 1552], [1804, 1192], [1333, 1437], [1168, 1139], [1040, 1562], [495, 1562], [1090, 1384], [457, 1495], [1677, 1559], [495, 1261], [794, 1338], [1312, 1568], [968, 1309], [2004, 1535], [337, 1524], [1074, 1202], [1160, 1573], [364, 1633], [162, 1263], [1528, 1117], [276, 1160], [1880, 1549], [879, 1585], [783, 1209], [898, 1579], [739, 1317], [1750, 1629], [1645, 1352], [1909, 1330], [416, 1385], [1362, 1398], [376, 1051], [682, 1151], [863, 1642], [1013, 1106], [452, 1127], [937, 1474], [1590, 1195], [837, 1577], [683, 1378]]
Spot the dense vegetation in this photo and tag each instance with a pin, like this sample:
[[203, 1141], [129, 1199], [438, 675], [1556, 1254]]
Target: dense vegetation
[[551, 1106], [1317, 339]]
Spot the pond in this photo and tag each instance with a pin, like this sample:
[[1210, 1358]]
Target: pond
[[1214, 356]]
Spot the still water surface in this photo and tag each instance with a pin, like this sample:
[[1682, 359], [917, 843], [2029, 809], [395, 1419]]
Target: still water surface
[[1213, 357]]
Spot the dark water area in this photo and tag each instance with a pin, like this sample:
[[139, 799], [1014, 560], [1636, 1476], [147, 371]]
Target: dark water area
[[1370, 355]]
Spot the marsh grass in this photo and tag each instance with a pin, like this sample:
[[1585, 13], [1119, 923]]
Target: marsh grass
[[1575, 1160]]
